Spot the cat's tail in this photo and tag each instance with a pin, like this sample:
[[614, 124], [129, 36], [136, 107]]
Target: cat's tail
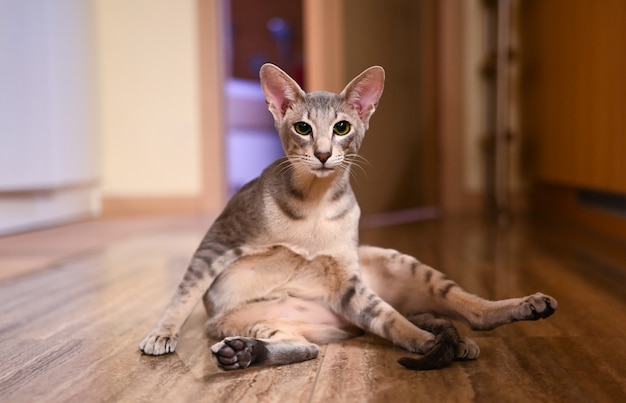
[[446, 342]]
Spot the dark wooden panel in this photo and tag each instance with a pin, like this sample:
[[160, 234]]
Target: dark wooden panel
[[573, 91], [562, 203]]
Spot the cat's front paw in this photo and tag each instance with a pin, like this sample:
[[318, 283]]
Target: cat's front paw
[[158, 343], [537, 306], [235, 352], [423, 345]]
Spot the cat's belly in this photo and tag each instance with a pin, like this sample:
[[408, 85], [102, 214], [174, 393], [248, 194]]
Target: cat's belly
[[257, 276], [295, 310], [294, 316], [275, 285]]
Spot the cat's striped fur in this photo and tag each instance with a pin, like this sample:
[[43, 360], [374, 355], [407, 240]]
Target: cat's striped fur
[[281, 269]]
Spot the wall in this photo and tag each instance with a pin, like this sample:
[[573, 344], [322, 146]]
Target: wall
[[149, 94], [324, 44], [153, 97], [161, 112], [387, 33]]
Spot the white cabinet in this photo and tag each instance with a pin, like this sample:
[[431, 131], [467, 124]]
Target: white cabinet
[[49, 163]]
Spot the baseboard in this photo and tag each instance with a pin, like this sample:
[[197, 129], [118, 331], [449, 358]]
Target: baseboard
[[565, 203], [34, 209], [125, 206]]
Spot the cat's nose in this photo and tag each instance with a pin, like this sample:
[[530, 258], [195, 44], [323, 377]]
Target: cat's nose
[[322, 156]]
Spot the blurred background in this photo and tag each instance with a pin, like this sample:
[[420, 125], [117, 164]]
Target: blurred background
[[491, 108]]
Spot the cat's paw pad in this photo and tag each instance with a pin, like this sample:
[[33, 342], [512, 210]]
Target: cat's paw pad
[[157, 343], [537, 306], [235, 352], [467, 349]]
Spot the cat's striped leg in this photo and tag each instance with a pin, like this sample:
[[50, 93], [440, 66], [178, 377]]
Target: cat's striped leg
[[482, 314], [206, 264], [361, 306], [413, 287]]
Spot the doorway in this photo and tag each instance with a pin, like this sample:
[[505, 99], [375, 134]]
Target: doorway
[[256, 34], [401, 174]]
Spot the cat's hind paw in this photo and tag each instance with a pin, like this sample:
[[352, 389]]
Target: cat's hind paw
[[467, 349], [537, 306], [156, 343], [236, 352]]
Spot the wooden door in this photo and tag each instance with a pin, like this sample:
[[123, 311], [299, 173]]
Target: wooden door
[[342, 38], [574, 91], [573, 101]]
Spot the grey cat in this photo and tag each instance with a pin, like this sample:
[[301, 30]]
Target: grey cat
[[281, 269]]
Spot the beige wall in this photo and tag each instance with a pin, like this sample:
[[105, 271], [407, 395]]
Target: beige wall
[[151, 100], [149, 97]]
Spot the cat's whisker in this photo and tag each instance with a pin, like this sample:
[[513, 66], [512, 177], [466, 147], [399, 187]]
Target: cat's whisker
[[358, 163], [282, 169], [346, 165], [354, 178], [353, 160], [286, 165], [358, 159], [283, 160]]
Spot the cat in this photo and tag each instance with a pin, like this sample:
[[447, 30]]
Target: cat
[[281, 270]]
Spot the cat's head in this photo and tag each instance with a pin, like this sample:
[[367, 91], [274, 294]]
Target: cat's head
[[321, 132]]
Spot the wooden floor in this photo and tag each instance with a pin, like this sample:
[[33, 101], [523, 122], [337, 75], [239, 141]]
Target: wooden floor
[[76, 300]]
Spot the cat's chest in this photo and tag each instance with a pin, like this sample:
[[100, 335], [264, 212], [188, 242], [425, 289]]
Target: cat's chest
[[316, 228]]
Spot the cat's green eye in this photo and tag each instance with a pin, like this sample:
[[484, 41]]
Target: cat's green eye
[[303, 128], [341, 128]]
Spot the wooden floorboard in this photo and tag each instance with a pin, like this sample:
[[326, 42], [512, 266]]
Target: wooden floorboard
[[73, 314]]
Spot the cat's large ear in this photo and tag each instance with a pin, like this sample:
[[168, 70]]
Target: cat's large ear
[[364, 91], [279, 89]]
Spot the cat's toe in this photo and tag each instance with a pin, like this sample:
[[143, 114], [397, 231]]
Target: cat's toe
[[234, 353], [156, 343], [467, 349], [538, 306]]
